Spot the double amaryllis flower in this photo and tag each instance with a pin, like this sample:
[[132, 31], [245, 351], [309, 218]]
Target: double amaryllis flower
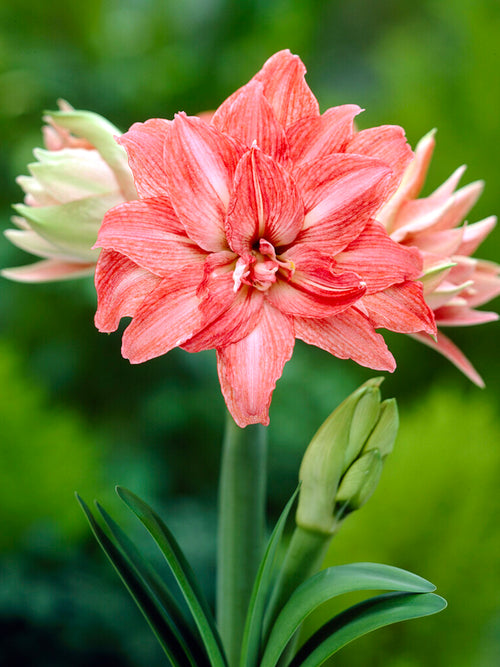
[[256, 228]]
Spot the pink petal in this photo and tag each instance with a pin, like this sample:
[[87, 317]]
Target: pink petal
[[248, 117], [400, 308], [441, 243], [150, 234], [317, 288], [167, 318], [285, 88], [387, 143], [249, 369], [379, 260], [349, 335], [121, 288], [144, 143], [318, 136], [200, 163], [48, 270], [265, 204], [461, 316], [449, 350], [340, 194], [475, 234]]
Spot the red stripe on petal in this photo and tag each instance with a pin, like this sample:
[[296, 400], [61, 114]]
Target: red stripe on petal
[[248, 117], [340, 193], [121, 288], [318, 136], [400, 308], [286, 89], [149, 233], [349, 335], [167, 318], [387, 143], [380, 261], [249, 369], [265, 204], [144, 143], [200, 164]]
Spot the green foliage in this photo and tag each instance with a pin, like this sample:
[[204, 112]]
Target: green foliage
[[436, 512], [46, 452]]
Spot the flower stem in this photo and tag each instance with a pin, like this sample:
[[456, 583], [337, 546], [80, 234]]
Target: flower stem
[[242, 499]]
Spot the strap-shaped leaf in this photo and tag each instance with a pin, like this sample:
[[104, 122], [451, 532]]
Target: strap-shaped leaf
[[159, 623], [328, 584], [187, 638], [183, 574], [363, 618], [260, 593]]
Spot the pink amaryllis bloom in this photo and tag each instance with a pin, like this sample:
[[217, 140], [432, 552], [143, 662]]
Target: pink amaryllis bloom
[[80, 174], [257, 228], [454, 283]]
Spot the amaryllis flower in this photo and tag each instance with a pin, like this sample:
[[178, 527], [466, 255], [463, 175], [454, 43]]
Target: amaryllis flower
[[81, 173], [454, 283], [257, 228]]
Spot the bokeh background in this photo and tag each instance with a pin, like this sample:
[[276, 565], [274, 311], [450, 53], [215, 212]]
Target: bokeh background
[[75, 416]]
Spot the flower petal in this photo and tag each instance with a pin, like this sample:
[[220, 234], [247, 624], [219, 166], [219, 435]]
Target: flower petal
[[265, 204], [348, 335], [387, 143], [318, 136], [121, 288], [48, 270], [248, 116], [249, 369], [150, 234], [400, 308], [475, 234], [340, 194], [145, 143], [444, 346], [200, 163], [461, 316], [167, 318], [379, 260]]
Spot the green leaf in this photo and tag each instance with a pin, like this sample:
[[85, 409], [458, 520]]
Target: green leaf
[[185, 635], [363, 618], [328, 584], [260, 593], [161, 627], [183, 574]]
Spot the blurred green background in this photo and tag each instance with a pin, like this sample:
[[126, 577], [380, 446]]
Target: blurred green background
[[75, 416]]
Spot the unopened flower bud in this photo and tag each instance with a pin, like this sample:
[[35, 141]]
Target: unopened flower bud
[[343, 463]]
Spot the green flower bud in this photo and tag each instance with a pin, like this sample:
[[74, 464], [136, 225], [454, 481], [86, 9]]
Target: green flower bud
[[343, 462]]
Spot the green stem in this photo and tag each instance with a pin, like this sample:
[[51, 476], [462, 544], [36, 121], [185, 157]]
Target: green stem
[[242, 500]]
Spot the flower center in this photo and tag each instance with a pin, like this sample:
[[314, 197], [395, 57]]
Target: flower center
[[259, 268]]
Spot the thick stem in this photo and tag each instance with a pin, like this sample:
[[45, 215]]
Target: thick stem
[[242, 500]]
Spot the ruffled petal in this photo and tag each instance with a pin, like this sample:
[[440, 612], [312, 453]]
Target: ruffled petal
[[448, 349], [286, 89], [340, 194], [387, 143], [145, 145], [249, 369], [379, 260], [149, 233], [318, 136], [248, 116], [265, 204], [167, 318], [349, 335], [121, 288], [400, 308], [200, 163]]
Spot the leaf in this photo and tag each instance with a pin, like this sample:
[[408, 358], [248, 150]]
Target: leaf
[[189, 641], [328, 584], [160, 625], [363, 618], [183, 574], [260, 593]]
